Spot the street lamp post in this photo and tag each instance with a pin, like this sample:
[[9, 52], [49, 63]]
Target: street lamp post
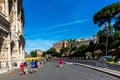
[[106, 45]]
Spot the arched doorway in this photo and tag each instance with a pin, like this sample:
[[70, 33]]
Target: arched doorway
[[21, 46], [3, 51], [1, 43], [13, 50]]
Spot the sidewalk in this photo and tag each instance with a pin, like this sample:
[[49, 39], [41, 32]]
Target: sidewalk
[[105, 70], [3, 70]]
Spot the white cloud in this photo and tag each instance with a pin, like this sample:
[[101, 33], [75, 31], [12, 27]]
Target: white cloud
[[56, 26], [38, 44], [66, 24], [60, 25], [47, 33]]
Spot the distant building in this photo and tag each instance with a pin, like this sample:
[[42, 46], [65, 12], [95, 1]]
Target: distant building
[[39, 52], [60, 44], [86, 40]]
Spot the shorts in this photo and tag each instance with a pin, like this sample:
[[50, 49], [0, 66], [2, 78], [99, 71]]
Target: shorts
[[32, 67]]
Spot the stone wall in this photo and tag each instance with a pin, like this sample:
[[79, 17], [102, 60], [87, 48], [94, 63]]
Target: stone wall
[[12, 40]]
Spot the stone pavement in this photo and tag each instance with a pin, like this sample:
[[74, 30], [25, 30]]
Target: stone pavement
[[51, 71], [105, 70]]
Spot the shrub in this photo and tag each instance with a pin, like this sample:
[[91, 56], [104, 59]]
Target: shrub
[[118, 59], [110, 59]]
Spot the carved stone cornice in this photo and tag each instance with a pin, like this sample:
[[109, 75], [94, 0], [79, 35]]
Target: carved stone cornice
[[3, 33], [2, 1], [4, 24]]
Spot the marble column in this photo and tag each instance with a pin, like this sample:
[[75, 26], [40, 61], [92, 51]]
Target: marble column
[[16, 16], [23, 56], [9, 55], [21, 52], [17, 48], [7, 9]]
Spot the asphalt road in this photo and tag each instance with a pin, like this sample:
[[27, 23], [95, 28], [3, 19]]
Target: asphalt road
[[98, 64], [51, 71]]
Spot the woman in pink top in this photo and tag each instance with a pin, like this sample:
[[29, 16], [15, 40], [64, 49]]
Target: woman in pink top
[[60, 62]]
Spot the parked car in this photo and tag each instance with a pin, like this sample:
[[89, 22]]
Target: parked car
[[104, 57]]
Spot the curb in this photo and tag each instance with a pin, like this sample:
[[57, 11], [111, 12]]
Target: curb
[[114, 63], [104, 70]]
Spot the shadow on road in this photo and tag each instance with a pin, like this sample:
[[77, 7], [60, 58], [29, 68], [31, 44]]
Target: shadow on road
[[57, 66]]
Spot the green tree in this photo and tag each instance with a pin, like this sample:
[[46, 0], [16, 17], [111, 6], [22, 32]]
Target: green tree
[[102, 39], [63, 50], [44, 54], [72, 43], [88, 55], [73, 49], [80, 52], [106, 14], [52, 51], [33, 54], [116, 40], [92, 46], [103, 18], [117, 23]]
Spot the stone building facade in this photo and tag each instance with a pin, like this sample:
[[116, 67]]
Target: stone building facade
[[60, 44], [12, 40], [39, 52], [86, 40], [76, 42]]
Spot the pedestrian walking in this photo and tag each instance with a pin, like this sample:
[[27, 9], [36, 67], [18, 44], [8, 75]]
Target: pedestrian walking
[[26, 69], [32, 66], [41, 63], [25, 64], [60, 62], [22, 68], [36, 65]]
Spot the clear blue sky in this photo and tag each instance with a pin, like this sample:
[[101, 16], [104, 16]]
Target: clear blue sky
[[50, 21]]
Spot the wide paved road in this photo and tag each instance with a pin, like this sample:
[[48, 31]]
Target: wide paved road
[[97, 63], [51, 71]]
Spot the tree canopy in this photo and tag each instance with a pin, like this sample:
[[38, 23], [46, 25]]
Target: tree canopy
[[33, 54], [106, 14], [117, 23]]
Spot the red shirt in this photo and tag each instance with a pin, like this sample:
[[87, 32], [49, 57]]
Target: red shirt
[[21, 65]]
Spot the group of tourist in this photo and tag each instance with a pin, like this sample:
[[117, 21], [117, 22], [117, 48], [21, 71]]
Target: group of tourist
[[34, 66]]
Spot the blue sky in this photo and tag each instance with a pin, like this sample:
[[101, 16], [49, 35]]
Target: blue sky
[[50, 21]]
